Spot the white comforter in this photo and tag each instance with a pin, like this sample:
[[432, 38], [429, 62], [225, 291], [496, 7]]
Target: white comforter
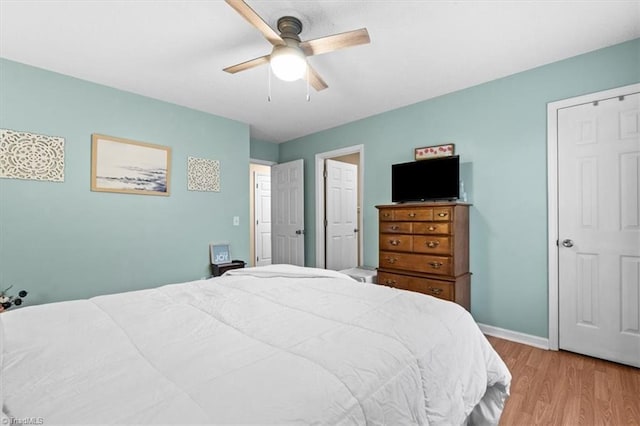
[[277, 344]]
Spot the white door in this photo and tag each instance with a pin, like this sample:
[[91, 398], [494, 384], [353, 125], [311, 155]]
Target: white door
[[599, 229], [341, 215], [287, 213], [263, 219]]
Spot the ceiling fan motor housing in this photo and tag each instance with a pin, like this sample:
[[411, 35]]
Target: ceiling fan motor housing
[[290, 27]]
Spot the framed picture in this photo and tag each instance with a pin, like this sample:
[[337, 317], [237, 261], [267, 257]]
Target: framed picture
[[130, 167], [425, 152], [219, 253]]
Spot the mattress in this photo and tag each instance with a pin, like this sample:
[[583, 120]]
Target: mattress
[[270, 345]]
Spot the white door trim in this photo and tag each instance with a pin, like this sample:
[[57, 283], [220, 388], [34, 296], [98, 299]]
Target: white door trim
[[320, 234], [552, 194], [262, 162]]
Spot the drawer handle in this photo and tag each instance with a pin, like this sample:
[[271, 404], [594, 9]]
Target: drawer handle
[[391, 260], [435, 290], [395, 227], [386, 214], [436, 265], [394, 242], [442, 214], [390, 282], [412, 214], [432, 228], [433, 244]]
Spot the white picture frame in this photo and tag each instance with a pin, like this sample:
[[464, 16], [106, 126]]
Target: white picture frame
[[219, 253]]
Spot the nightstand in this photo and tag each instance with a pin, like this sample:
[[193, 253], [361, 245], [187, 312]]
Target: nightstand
[[219, 269]]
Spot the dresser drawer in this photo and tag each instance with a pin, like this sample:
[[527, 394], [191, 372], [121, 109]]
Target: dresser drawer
[[413, 214], [431, 228], [386, 214], [442, 214], [396, 227], [441, 289], [431, 244], [396, 242], [439, 265]]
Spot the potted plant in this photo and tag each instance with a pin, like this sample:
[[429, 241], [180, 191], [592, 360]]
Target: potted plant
[[7, 300]]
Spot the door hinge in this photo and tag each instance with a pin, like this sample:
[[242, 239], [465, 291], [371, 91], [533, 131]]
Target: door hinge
[[324, 173], [326, 223]]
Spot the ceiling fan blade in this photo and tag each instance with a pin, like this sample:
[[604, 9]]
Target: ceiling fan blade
[[247, 64], [330, 43], [315, 80], [254, 19]]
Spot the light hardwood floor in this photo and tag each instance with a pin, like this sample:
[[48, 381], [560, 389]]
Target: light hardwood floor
[[563, 388]]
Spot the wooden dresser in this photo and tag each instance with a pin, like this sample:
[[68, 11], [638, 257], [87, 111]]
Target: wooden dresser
[[424, 247]]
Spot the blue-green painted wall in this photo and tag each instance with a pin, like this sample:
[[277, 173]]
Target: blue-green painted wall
[[61, 241], [261, 150], [499, 129]]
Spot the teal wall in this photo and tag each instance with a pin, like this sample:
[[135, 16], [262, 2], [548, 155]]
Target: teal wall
[[499, 129], [61, 241], [261, 150]]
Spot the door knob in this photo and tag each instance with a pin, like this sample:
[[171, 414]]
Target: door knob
[[300, 232], [567, 243]]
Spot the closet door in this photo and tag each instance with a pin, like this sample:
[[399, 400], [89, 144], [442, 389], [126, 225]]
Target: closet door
[[599, 229]]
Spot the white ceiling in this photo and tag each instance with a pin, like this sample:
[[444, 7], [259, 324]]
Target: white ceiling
[[175, 50]]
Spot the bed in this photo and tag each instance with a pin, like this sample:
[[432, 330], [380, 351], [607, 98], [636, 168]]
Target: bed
[[270, 345]]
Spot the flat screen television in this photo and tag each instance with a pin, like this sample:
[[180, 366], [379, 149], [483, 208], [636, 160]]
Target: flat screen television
[[426, 180]]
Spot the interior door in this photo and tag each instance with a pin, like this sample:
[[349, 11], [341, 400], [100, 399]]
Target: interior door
[[599, 229], [341, 215], [263, 219], [287, 213]]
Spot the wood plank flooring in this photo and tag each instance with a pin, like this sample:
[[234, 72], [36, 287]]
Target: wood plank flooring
[[563, 388]]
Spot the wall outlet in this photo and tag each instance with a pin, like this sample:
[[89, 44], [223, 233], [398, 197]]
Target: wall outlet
[[236, 220]]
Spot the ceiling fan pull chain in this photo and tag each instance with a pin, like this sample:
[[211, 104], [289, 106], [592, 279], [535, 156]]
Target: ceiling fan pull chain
[[308, 96], [269, 85]]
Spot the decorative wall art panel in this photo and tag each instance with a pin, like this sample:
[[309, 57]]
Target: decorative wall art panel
[[434, 151], [204, 175], [130, 167], [31, 156]]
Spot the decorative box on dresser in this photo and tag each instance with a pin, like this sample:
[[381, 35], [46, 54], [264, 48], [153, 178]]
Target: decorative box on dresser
[[424, 247]]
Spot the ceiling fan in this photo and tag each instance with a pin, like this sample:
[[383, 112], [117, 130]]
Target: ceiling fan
[[288, 59]]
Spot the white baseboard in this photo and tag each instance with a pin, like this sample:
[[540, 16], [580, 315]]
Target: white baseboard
[[515, 336]]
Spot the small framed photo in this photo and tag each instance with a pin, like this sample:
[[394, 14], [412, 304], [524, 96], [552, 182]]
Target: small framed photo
[[219, 253], [426, 152]]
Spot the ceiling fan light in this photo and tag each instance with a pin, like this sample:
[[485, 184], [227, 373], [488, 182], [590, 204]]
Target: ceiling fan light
[[288, 63]]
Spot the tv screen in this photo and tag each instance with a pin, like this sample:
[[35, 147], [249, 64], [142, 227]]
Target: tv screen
[[426, 180]]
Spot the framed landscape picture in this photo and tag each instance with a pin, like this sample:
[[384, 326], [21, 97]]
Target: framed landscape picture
[[130, 167]]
